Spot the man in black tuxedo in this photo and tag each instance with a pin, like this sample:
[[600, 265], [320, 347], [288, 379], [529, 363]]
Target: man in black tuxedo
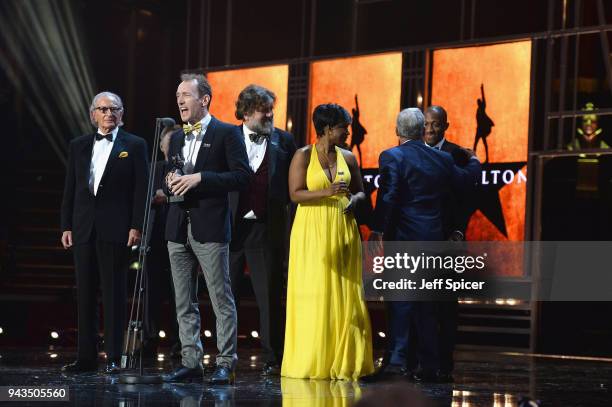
[[457, 216], [198, 228], [101, 217], [260, 214]]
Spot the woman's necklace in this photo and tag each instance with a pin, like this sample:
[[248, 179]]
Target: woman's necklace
[[329, 166]]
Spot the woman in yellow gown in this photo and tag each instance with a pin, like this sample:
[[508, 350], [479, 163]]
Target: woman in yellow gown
[[328, 333]]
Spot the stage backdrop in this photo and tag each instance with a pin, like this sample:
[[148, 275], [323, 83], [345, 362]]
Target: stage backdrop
[[226, 85], [369, 87], [485, 90]]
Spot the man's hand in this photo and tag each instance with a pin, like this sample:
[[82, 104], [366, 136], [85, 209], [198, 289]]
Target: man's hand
[[133, 237], [180, 185], [67, 239], [169, 178], [160, 198], [352, 204], [375, 243], [469, 152]]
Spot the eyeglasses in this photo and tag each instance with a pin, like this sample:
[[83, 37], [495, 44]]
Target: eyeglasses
[[105, 109]]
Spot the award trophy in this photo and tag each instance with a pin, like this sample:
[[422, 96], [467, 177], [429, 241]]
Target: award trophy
[[177, 163]]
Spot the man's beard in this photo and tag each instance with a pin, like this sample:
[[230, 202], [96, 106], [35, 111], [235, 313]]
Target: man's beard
[[264, 127]]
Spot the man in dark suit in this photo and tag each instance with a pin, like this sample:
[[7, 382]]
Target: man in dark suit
[[260, 215], [102, 215], [198, 228], [415, 182], [457, 214]]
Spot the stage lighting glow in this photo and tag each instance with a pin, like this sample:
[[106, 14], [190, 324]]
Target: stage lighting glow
[[53, 355], [207, 333], [162, 334], [369, 87], [1, 330], [419, 100], [206, 361], [134, 266], [289, 124], [54, 335], [30, 30], [253, 357], [382, 334], [207, 356], [228, 84], [254, 334]]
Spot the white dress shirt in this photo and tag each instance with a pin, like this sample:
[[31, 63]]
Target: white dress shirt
[[99, 157], [439, 145], [256, 151], [193, 142]]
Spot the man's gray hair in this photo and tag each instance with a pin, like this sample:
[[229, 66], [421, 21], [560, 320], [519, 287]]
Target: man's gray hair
[[110, 95], [410, 123]]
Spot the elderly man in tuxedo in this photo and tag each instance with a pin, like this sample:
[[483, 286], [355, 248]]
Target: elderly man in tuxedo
[[101, 217], [198, 230]]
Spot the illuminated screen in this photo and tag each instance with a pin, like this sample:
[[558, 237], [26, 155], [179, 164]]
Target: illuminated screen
[[369, 87], [485, 90], [226, 85]]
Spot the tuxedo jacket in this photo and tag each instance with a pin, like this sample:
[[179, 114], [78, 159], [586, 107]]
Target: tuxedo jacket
[[119, 203], [224, 166], [280, 150], [414, 185]]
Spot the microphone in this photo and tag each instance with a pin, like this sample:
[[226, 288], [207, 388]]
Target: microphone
[[166, 121]]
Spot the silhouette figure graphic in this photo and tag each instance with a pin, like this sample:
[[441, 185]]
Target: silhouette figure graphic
[[483, 124], [358, 132]]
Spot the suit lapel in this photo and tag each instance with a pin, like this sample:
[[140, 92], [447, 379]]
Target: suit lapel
[[205, 147], [273, 150], [86, 152], [118, 146]]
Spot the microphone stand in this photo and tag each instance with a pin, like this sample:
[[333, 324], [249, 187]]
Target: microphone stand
[[134, 373]]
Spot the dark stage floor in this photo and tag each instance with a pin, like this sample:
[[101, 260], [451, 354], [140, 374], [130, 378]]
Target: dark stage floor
[[481, 379]]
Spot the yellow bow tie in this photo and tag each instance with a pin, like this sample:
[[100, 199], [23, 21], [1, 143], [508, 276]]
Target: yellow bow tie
[[188, 129]]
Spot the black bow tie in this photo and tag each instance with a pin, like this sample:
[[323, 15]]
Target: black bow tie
[[108, 136], [256, 138]]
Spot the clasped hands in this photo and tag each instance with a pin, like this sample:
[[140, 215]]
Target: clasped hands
[[180, 184], [342, 188]]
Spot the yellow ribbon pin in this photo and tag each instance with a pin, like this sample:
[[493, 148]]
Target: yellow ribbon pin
[[123, 154]]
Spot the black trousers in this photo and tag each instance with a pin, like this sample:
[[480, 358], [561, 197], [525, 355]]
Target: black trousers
[[413, 335], [159, 288], [101, 264], [250, 245]]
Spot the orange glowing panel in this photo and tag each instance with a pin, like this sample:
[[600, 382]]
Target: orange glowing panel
[[375, 81], [226, 85], [486, 92]]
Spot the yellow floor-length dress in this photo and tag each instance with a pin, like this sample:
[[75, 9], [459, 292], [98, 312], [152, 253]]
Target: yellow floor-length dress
[[328, 333]]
